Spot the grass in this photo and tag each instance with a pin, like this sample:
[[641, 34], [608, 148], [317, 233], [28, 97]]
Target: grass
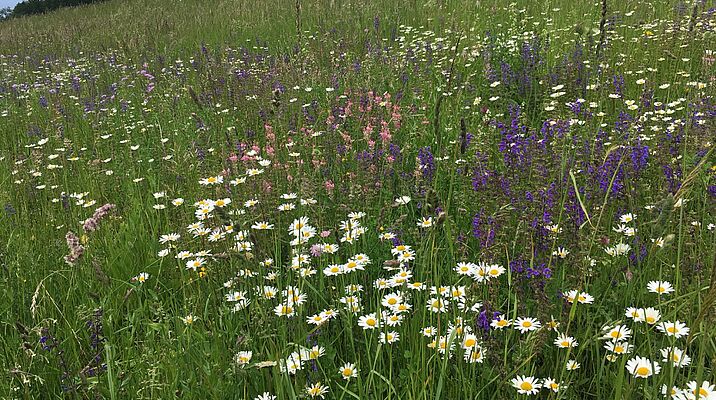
[[136, 103]]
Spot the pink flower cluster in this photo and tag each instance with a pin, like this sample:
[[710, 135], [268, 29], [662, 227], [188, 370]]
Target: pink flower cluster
[[76, 248], [92, 223]]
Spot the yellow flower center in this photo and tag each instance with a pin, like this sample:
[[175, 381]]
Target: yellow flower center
[[618, 349], [470, 342], [565, 343], [642, 371], [370, 322], [527, 324], [671, 329], [392, 301], [526, 386]]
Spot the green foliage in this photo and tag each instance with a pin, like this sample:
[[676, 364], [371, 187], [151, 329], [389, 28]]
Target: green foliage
[[134, 103]]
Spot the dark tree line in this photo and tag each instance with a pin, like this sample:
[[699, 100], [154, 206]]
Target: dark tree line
[[30, 7]]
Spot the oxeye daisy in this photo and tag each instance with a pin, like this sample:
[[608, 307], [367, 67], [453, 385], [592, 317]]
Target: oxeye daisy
[[391, 300], [619, 332], [528, 385], [195, 264], [500, 322], [348, 371], [401, 308], [333, 270], [265, 396], [437, 305], [314, 353], [480, 273], [636, 314], [705, 391], [627, 218], [676, 356], [369, 321], [673, 392], [581, 297], [316, 390], [641, 367], [316, 319], [475, 355], [494, 271], [469, 341], [171, 237], [464, 268], [457, 292], [329, 313], [573, 365], [387, 236], [551, 384], [399, 249], [552, 324], [141, 278], [660, 287], [676, 329], [390, 318], [262, 225], [651, 316], [563, 341], [417, 286], [527, 324], [429, 331], [426, 222], [443, 347], [619, 347], [389, 337], [286, 207], [285, 310], [561, 252], [243, 357]]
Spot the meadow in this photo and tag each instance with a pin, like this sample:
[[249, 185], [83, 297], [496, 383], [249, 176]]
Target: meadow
[[442, 199]]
